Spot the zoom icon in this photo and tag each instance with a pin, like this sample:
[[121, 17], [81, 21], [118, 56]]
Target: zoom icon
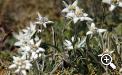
[[106, 59]]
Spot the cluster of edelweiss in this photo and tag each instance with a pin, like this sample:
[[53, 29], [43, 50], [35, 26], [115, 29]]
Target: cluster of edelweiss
[[29, 46], [29, 43]]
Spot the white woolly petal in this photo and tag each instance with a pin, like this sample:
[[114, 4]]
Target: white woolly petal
[[38, 22], [18, 70], [101, 30], [31, 41], [40, 50], [16, 36], [33, 32], [44, 24], [92, 28], [34, 55], [39, 55], [112, 65], [120, 4], [88, 19], [25, 30], [120, 71], [112, 7], [28, 66], [12, 66], [25, 53], [27, 48], [111, 52], [38, 43], [39, 30], [66, 5], [18, 43], [49, 22], [100, 55], [70, 47], [23, 72], [67, 43], [70, 14], [82, 18], [81, 42], [93, 25], [15, 58], [106, 1], [39, 16], [23, 57], [75, 19], [32, 26], [27, 62], [77, 9], [85, 14], [73, 38], [65, 10], [20, 34], [89, 32], [36, 38], [75, 3]]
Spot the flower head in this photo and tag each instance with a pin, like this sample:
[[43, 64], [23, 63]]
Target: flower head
[[32, 49], [68, 44], [21, 64], [113, 4], [35, 50], [70, 7], [30, 30], [43, 20], [78, 14], [93, 29], [22, 39], [79, 43], [25, 35], [106, 52]]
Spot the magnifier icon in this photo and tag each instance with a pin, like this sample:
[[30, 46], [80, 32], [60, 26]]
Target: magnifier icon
[[106, 59]]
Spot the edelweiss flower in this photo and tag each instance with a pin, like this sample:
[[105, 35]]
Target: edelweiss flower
[[113, 3], [93, 30], [30, 30], [25, 36], [78, 15], [35, 50], [43, 20], [20, 64], [81, 42], [106, 52], [32, 49], [22, 39], [68, 44], [70, 7]]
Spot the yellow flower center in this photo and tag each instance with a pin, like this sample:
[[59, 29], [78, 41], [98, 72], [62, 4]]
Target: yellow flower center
[[34, 47], [79, 12]]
